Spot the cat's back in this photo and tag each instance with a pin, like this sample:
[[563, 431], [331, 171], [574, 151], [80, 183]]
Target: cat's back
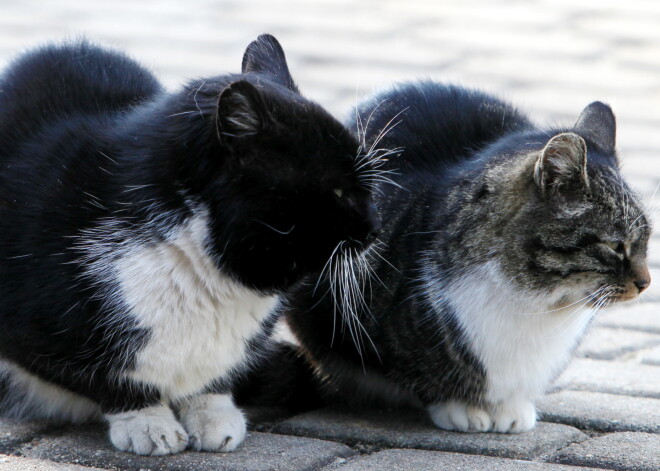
[[435, 125], [57, 82]]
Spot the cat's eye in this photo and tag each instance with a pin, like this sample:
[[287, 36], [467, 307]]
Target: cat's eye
[[339, 192], [614, 246]]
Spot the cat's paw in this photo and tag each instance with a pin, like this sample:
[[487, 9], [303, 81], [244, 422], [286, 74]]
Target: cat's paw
[[213, 422], [455, 415], [513, 417], [150, 431]]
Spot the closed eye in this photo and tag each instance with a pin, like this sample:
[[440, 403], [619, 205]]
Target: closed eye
[[615, 246]]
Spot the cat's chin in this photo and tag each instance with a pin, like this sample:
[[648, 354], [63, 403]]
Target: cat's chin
[[622, 299]]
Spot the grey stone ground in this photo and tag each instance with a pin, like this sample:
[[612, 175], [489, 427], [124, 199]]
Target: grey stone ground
[[549, 57]]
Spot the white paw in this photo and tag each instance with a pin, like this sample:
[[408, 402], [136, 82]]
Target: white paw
[[454, 415], [213, 423], [149, 431], [513, 417]]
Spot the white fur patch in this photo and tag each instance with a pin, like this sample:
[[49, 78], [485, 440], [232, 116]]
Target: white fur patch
[[519, 339], [150, 431], [213, 422], [30, 397], [199, 319]]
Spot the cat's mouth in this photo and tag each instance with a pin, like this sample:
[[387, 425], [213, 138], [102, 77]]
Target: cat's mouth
[[620, 293]]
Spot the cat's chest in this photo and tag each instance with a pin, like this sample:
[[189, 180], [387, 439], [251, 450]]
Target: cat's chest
[[199, 321], [521, 346]]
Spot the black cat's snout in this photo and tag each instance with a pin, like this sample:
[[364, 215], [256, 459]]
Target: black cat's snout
[[373, 220], [372, 236]]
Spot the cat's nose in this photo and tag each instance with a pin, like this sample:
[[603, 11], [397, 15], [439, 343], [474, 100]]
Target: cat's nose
[[374, 223], [376, 226], [642, 277], [642, 284]]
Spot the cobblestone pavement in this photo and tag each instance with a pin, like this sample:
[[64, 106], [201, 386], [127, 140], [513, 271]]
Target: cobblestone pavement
[[549, 57]]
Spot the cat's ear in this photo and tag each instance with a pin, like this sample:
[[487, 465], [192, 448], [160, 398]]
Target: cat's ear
[[242, 111], [265, 56], [562, 163], [598, 125]]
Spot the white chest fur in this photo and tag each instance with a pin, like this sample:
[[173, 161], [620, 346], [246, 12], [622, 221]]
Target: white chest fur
[[198, 318], [521, 346]]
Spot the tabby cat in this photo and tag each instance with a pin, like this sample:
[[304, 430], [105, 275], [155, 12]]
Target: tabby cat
[[500, 241]]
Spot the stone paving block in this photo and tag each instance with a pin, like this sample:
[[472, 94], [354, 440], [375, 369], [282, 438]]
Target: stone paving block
[[262, 419], [89, 446], [13, 433], [615, 377], [651, 356], [409, 429], [601, 412], [639, 316], [629, 451], [418, 460], [14, 463], [608, 343]]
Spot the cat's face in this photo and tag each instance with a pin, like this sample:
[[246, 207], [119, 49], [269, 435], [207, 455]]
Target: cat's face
[[300, 189], [291, 189], [584, 233]]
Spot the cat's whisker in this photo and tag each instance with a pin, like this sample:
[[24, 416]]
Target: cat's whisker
[[347, 275], [387, 128], [574, 317], [195, 99], [587, 298], [181, 113]]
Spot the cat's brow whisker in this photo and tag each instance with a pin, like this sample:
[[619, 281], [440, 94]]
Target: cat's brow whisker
[[366, 128], [181, 113], [387, 128], [195, 98]]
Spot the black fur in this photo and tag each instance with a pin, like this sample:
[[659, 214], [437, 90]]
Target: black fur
[[94, 154]]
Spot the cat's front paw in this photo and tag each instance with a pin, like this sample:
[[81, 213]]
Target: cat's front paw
[[213, 422], [513, 416], [150, 431], [459, 416]]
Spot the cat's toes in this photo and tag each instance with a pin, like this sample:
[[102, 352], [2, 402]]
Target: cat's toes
[[454, 415], [150, 431], [214, 424], [514, 417]]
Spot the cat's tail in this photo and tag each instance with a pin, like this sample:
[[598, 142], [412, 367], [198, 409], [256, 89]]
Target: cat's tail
[[285, 379], [26, 397]]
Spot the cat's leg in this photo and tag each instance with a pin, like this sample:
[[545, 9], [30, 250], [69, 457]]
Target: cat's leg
[[460, 416], [213, 422], [513, 416], [151, 430]]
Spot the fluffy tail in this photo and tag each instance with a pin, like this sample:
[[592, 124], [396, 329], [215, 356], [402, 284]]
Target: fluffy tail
[[26, 397], [285, 379]]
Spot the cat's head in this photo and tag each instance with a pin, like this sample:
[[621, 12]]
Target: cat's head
[[579, 233], [288, 187]]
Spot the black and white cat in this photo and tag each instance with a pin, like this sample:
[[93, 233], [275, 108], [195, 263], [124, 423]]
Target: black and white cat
[[146, 237], [500, 240]]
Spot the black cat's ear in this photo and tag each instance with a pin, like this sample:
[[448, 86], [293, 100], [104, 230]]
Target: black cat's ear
[[265, 56], [242, 111], [562, 163], [597, 124]]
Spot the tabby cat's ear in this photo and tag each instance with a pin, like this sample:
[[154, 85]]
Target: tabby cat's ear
[[265, 56], [562, 163], [598, 125], [242, 111]]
